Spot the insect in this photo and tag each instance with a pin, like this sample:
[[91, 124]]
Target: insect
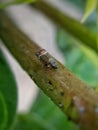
[[46, 59]]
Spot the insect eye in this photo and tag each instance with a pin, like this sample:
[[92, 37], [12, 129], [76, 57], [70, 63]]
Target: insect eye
[[41, 52]]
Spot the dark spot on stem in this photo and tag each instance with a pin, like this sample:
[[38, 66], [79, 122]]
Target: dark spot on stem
[[69, 118], [32, 78], [30, 75], [62, 93], [35, 81], [69, 74], [49, 82]]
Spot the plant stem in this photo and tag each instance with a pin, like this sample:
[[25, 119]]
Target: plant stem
[[75, 28], [69, 93]]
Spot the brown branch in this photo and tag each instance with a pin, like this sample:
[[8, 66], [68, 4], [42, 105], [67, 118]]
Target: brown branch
[[68, 92]]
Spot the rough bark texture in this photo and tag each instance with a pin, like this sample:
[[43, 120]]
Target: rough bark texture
[[69, 93]]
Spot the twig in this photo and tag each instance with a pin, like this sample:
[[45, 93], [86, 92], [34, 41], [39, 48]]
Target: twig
[[69, 24], [69, 93]]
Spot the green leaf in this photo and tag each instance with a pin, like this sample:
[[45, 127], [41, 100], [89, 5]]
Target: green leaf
[[3, 5], [23, 1], [90, 7], [8, 95], [31, 122], [79, 4], [3, 113], [79, 59], [44, 108], [90, 54]]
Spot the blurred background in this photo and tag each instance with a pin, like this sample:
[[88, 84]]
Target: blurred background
[[76, 57]]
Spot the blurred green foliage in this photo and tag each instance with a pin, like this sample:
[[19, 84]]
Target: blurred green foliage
[[8, 95], [44, 115], [32, 122], [76, 60], [4, 4], [91, 5], [79, 4], [51, 114]]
